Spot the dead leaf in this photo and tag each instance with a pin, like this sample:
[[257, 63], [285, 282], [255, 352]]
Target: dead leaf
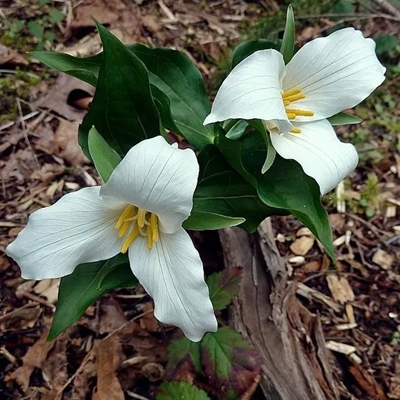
[[148, 321], [48, 288], [340, 288], [34, 358], [302, 245], [21, 318], [65, 144], [108, 355], [56, 99], [111, 316], [383, 259], [9, 56], [367, 382]]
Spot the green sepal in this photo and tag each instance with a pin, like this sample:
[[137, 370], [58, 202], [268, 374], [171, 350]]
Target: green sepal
[[343, 118], [201, 221], [287, 46], [104, 157], [245, 49]]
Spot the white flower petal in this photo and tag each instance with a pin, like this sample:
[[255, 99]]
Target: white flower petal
[[319, 151], [252, 91], [335, 73], [172, 273], [159, 178], [78, 228]]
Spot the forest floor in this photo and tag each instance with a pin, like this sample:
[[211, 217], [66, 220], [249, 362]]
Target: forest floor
[[359, 304]]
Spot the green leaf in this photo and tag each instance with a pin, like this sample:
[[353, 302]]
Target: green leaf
[[55, 16], [343, 118], [85, 69], [180, 391], [287, 46], [223, 191], [36, 29], [174, 74], [122, 110], [386, 43], [284, 187], [104, 157], [85, 285], [229, 362], [184, 359], [224, 286], [43, 2], [201, 221], [249, 47], [50, 36]]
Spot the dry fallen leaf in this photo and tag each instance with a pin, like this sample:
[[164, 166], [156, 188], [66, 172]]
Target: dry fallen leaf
[[302, 245], [9, 56], [108, 360]]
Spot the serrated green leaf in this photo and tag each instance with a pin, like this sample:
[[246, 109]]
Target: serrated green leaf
[[104, 157], [184, 359], [249, 47], [287, 46], [224, 286], [201, 221], [85, 285], [122, 110], [55, 16], [36, 29], [229, 362], [343, 118], [180, 391]]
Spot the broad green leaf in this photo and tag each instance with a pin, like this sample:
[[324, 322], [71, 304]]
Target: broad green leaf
[[180, 391], [223, 191], [184, 359], [104, 157], [224, 286], [343, 118], [201, 221], [122, 110], [36, 29], [85, 285], [174, 74], [284, 187], [236, 129], [249, 47], [85, 69], [287, 46], [229, 362], [55, 16]]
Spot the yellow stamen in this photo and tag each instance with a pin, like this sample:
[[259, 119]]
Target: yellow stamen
[[127, 213], [295, 130], [124, 228], [291, 116], [299, 112], [295, 97], [290, 93], [130, 239], [154, 227], [141, 217], [149, 238]]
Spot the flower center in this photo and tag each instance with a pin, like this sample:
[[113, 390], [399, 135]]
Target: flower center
[[134, 222], [292, 113]]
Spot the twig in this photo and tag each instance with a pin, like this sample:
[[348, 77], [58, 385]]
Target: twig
[[136, 396], [35, 298], [388, 8]]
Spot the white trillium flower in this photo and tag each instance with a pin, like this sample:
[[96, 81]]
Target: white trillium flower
[[140, 210], [324, 77]]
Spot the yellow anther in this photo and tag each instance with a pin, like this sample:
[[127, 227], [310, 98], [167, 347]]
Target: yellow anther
[[291, 92], [154, 227], [291, 116], [130, 239], [124, 228], [127, 213], [299, 112], [149, 238], [294, 97], [295, 130], [141, 217]]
